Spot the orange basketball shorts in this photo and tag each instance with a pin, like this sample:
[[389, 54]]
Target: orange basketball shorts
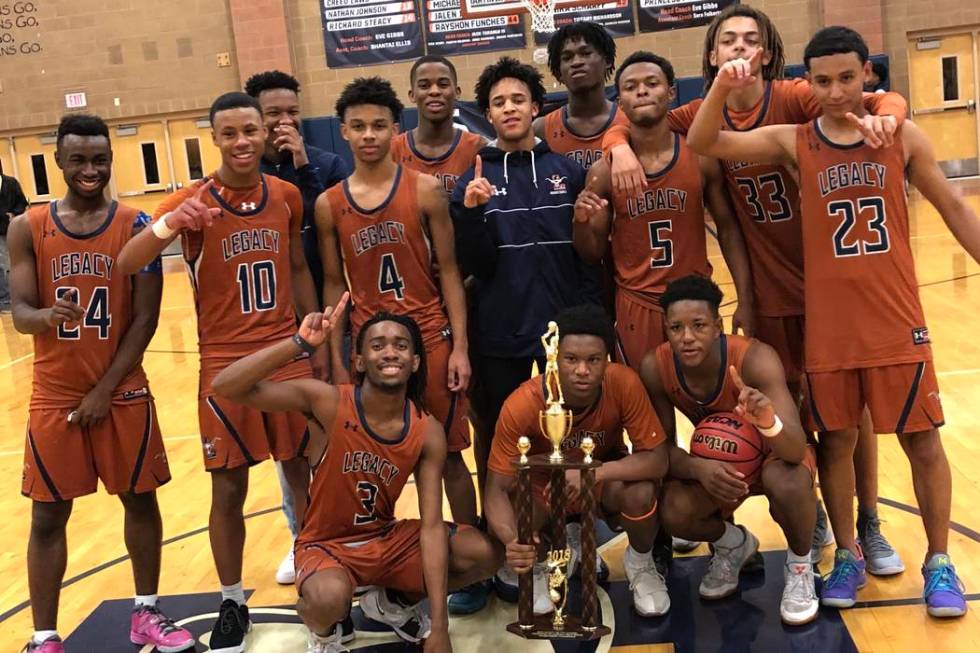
[[785, 335], [450, 408], [639, 330]]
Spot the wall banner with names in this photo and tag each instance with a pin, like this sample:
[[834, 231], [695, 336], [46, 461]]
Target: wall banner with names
[[449, 33], [364, 32], [660, 15], [615, 15]]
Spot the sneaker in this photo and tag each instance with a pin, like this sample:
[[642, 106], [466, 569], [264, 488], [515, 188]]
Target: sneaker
[[943, 589], [286, 573], [150, 626], [329, 644], [881, 559], [663, 553], [573, 540], [470, 599], [721, 579], [799, 604], [601, 568], [52, 644], [681, 545], [346, 628], [505, 584], [542, 596], [228, 634], [409, 622], [840, 586], [823, 535], [650, 597]]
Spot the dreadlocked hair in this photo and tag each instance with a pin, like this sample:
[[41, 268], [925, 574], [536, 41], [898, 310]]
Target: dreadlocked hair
[[416, 382], [591, 33], [772, 43]]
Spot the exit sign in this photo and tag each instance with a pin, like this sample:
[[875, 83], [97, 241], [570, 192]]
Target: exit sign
[[75, 101]]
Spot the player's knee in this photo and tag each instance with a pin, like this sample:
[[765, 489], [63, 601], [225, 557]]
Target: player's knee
[[638, 497], [922, 446], [327, 593], [143, 504], [837, 443], [782, 480], [48, 520], [676, 507], [228, 488]]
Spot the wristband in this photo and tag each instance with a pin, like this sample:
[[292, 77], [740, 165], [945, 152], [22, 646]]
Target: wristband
[[161, 229], [303, 344], [774, 430]]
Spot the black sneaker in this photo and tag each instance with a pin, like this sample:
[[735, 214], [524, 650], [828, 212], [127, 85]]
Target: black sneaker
[[346, 628], [228, 634]]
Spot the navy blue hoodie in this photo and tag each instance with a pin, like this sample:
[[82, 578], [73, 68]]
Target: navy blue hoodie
[[518, 246]]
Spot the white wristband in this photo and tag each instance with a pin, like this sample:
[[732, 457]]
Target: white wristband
[[774, 430], [161, 229]]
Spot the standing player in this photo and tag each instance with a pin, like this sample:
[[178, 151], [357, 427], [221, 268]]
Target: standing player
[[436, 146], [240, 234], [701, 371], [91, 324], [605, 399], [376, 435], [658, 234], [766, 201], [855, 228], [386, 220]]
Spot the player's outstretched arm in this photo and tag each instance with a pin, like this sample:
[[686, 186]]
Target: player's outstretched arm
[[593, 215], [926, 175], [435, 205], [334, 286], [434, 536], [766, 402], [731, 242]]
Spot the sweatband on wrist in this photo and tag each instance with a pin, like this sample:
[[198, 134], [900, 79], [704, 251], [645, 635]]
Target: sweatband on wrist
[[303, 344], [161, 229], [774, 430]]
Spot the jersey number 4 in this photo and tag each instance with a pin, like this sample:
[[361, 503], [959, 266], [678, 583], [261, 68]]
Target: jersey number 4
[[388, 278], [867, 209], [97, 315], [257, 285], [368, 493]]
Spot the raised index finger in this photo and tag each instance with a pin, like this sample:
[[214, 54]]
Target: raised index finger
[[736, 378], [203, 188], [478, 170]]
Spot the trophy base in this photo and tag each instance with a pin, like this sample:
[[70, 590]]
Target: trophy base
[[543, 628]]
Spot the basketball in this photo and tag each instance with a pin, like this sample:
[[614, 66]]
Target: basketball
[[730, 438]]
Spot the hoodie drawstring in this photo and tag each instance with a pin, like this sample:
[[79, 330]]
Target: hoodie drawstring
[[534, 171], [506, 180]]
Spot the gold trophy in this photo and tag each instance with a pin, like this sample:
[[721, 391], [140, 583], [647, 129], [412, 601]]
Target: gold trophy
[[556, 423]]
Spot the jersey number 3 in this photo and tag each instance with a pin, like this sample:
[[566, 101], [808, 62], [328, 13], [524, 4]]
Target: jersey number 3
[[867, 209], [368, 493]]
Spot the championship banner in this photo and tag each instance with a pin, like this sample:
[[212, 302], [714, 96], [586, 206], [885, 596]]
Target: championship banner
[[660, 15], [615, 15], [365, 32], [448, 32]]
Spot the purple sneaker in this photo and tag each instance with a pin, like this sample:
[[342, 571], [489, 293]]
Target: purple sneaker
[[150, 626], [944, 590], [50, 645], [841, 585]]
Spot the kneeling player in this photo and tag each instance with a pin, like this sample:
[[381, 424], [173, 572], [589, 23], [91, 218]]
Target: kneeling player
[[605, 399], [377, 434], [702, 371]]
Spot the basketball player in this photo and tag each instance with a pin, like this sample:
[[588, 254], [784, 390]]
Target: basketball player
[[855, 229], [766, 202], [91, 324], [659, 234], [290, 158], [605, 399], [375, 433], [240, 235], [386, 220], [436, 146], [701, 371]]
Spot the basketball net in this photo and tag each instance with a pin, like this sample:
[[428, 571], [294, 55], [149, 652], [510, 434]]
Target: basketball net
[[542, 14]]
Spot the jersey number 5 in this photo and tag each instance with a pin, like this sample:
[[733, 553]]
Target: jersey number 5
[[369, 495], [666, 247], [388, 278], [850, 214], [97, 315]]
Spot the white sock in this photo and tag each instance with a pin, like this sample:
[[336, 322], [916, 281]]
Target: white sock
[[41, 635], [732, 537], [632, 556], [796, 559], [234, 592], [149, 600]]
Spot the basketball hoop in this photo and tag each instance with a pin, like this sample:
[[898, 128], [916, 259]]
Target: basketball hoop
[[542, 14]]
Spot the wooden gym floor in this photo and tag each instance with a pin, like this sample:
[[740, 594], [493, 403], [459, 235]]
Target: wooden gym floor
[[891, 619]]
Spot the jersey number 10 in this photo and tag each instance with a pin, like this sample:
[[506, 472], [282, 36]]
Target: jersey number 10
[[257, 285]]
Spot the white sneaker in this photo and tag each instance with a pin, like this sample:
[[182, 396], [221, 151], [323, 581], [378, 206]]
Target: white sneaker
[[409, 622], [329, 644], [721, 579], [542, 599], [799, 604], [286, 574], [650, 597], [573, 540], [681, 545]]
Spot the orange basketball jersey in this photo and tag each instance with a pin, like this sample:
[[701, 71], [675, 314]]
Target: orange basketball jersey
[[659, 235], [388, 257], [356, 484], [622, 404], [586, 150], [71, 358], [240, 269], [862, 299], [725, 398], [446, 168]]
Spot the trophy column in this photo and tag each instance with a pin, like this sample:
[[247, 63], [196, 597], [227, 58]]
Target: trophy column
[[525, 587]]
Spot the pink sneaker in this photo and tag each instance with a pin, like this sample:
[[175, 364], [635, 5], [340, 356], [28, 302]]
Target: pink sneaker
[[50, 645], [150, 626]]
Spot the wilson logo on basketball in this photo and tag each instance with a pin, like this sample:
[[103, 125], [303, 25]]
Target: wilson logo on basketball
[[714, 443]]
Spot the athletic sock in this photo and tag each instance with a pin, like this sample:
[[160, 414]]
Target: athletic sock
[[732, 537], [233, 592], [149, 600], [41, 635], [797, 559], [634, 555]]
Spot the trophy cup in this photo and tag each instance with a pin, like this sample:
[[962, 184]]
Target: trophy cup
[[556, 423]]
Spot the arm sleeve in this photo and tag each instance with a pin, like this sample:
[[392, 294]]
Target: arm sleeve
[[476, 249], [887, 104], [639, 419], [680, 119], [800, 102]]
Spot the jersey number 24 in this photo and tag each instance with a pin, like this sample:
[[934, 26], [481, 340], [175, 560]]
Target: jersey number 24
[[97, 315]]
